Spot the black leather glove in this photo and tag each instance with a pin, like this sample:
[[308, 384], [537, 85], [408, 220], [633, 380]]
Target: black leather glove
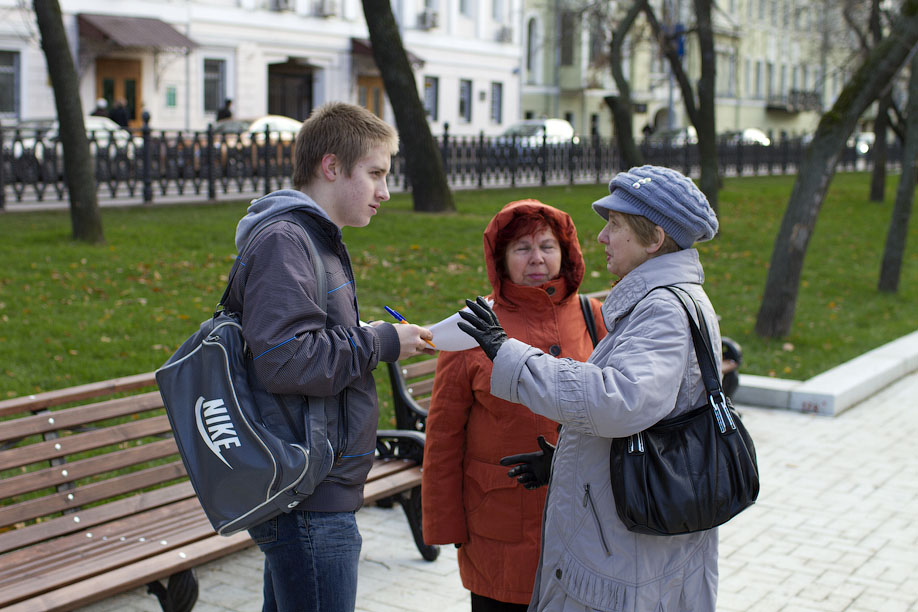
[[531, 470], [482, 324]]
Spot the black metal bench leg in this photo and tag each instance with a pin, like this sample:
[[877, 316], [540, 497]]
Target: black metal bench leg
[[411, 502], [180, 595]]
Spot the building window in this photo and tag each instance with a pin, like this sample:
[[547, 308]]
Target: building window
[[465, 7], [726, 74], [758, 79], [497, 103], [9, 84], [171, 96], [497, 10], [431, 97], [532, 44], [465, 100], [597, 41], [214, 84], [568, 25]]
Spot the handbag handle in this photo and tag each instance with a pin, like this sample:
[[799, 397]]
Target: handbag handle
[[588, 319], [701, 338]]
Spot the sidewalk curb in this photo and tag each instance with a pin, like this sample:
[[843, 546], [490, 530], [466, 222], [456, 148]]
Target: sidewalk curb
[[838, 389]]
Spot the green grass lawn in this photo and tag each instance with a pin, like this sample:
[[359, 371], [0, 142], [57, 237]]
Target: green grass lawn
[[72, 313]]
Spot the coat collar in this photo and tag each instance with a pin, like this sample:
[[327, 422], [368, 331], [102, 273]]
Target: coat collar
[[680, 267]]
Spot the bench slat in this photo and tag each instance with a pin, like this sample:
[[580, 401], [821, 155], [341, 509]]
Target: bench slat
[[153, 525], [395, 483], [32, 534], [80, 496], [79, 568], [420, 387], [418, 369], [53, 476], [73, 394], [44, 451], [80, 415], [134, 575]]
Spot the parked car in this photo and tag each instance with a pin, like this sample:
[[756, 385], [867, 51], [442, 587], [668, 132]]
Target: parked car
[[862, 142], [678, 137], [748, 136], [530, 132], [247, 131], [239, 144], [41, 150], [523, 140]]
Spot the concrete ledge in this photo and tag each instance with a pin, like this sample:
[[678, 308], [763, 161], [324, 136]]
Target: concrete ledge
[[838, 389]]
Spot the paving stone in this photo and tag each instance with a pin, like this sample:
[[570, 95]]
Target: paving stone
[[834, 529]]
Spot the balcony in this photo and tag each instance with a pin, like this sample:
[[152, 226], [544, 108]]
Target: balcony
[[796, 101]]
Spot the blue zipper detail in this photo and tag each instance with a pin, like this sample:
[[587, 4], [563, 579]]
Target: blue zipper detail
[[274, 347], [340, 286], [360, 455]]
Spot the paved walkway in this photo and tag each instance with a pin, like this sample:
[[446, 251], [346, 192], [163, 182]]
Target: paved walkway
[[835, 528]]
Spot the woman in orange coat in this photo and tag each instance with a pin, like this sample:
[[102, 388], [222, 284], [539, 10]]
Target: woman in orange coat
[[535, 267]]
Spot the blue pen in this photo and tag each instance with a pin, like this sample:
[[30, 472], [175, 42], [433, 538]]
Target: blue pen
[[402, 319]]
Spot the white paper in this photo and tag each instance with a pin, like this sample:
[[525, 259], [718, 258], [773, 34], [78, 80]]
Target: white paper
[[448, 337]]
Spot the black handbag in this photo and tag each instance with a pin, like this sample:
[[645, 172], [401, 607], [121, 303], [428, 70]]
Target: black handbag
[[692, 472]]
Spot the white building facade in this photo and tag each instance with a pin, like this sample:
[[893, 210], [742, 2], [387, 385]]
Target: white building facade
[[180, 60]]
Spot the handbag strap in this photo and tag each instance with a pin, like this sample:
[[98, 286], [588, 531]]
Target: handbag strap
[[317, 264], [588, 318], [701, 338]]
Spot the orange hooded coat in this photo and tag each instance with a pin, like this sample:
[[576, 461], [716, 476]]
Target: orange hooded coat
[[467, 496]]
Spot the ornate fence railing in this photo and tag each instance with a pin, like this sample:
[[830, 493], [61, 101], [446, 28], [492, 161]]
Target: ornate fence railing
[[148, 164]]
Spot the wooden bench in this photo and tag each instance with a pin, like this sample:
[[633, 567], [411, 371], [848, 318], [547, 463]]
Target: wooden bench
[[412, 383], [95, 500]]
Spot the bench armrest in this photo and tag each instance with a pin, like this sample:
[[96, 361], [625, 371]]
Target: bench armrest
[[400, 444], [408, 413]]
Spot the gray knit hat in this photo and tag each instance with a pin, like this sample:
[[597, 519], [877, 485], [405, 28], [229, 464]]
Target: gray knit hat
[[666, 197]]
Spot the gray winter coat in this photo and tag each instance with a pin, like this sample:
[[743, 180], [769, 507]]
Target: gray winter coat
[[299, 349], [645, 370]]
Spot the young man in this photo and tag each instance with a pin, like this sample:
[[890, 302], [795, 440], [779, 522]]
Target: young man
[[341, 159]]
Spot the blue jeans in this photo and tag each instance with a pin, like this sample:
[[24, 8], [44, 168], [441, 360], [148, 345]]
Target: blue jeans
[[310, 561]]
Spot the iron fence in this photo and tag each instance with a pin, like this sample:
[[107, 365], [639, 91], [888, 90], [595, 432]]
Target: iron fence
[[147, 164]]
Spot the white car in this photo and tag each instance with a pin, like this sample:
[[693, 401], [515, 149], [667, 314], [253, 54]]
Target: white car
[[103, 134], [530, 132], [253, 130], [748, 136]]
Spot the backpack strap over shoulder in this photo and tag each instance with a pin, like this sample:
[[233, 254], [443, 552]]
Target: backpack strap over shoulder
[[318, 265]]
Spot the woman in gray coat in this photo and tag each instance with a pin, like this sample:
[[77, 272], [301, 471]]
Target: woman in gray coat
[[643, 371]]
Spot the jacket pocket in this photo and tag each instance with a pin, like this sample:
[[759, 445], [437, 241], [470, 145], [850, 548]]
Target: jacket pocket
[[493, 502]]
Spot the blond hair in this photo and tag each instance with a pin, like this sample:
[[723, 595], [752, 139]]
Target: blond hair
[[345, 130]]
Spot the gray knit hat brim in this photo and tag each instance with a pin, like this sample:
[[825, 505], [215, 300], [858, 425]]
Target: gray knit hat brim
[[665, 197]]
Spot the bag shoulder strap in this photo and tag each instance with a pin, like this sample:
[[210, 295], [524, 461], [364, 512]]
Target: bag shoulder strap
[[702, 340], [588, 318], [318, 265]]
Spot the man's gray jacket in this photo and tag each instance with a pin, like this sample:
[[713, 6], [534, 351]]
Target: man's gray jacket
[[300, 350]]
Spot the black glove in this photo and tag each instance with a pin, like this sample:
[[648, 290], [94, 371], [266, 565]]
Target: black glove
[[534, 469], [482, 324]]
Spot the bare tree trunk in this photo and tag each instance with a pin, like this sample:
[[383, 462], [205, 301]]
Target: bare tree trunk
[[622, 110], [707, 128], [429, 188], [703, 121], [779, 300], [879, 150], [85, 219], [891, 267]]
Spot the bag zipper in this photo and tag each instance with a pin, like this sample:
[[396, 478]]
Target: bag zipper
[[588, 499]]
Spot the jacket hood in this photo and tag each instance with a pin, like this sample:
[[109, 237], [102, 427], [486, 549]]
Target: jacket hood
[[272, 205], [572, 257]]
